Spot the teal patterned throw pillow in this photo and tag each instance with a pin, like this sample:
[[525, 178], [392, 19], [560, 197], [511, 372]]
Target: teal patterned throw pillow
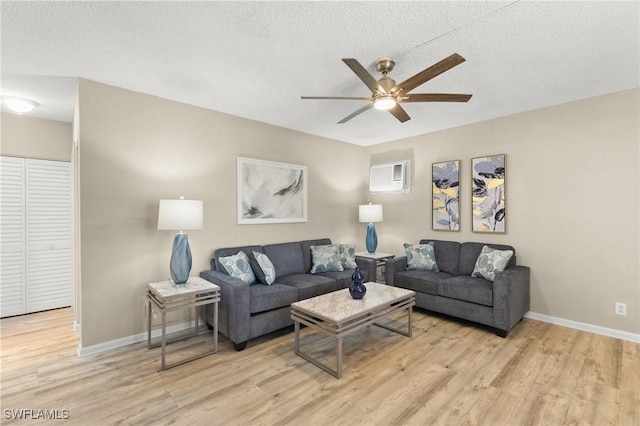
[[325, 259], [267, 267], [491, 262], [347, 255], [238, 267], [421, 258]]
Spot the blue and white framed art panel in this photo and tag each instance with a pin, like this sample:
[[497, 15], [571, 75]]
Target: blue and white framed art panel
[[445, 196], [488, 194]]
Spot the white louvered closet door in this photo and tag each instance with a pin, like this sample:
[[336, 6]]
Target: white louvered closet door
[[48, 201], [35, 227], [12, 235]]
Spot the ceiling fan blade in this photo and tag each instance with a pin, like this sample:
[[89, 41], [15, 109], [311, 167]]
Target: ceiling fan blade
[[399, 113], [337, 97], [363, 74], [353, 114], [429, 73], [436, 97]]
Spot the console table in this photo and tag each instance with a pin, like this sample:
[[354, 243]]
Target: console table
[[165, 296]]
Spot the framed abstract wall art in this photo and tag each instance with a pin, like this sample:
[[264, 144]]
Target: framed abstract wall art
[[270, 192], [445, 196], [488, 194]]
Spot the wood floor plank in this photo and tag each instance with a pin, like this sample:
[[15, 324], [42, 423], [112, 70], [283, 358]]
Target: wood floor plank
[[448, 373]]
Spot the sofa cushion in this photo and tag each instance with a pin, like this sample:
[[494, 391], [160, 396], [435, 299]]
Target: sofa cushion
[[343, 278], [238, 266], [267, 274], [447, 255], [267, 297], [421, 258], [309, 285], [306, 250], [469, 253], [347, 255], [286, 258], [325, 259], [468, 289], [420, 281], [491, 262]]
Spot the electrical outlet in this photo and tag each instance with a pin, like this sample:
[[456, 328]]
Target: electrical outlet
[[621, 309]]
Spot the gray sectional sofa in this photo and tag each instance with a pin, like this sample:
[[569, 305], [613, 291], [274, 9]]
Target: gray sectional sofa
[[453, 291], [248, 311]]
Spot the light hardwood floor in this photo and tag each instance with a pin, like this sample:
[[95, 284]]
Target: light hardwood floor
[[448, 373]]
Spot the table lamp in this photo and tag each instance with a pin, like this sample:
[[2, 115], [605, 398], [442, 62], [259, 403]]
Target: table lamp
[[371, 213], [180, 215]]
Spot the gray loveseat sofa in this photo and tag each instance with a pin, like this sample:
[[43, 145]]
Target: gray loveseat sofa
[[248, 311], [453, 291]]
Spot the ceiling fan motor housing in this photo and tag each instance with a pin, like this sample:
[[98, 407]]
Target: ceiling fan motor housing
[[385, 65]]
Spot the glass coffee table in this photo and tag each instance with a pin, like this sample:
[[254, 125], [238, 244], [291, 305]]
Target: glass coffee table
[[338, 315]]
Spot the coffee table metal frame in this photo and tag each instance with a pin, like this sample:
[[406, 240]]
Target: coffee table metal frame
[[338, 329], [166, 297]]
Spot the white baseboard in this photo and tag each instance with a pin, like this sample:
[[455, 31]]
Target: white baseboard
[[618, 334], [141, 337], [130, 340]]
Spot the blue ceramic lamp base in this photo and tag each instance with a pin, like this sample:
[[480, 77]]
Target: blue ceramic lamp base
[[372, 238], [180, 265]]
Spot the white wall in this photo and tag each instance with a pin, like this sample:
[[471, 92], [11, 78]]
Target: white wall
[[573, 201]]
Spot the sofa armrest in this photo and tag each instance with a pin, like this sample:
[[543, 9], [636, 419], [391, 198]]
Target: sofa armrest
[[234, 306], [368, 268], [511, 296], [397, 264]]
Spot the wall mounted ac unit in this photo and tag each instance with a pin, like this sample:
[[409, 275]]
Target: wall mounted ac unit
[[390, 177]]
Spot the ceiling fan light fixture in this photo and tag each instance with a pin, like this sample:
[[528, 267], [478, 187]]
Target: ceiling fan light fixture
[[384, 103], [19, 105]]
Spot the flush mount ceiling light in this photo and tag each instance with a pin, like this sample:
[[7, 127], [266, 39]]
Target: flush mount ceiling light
[[19, 105]]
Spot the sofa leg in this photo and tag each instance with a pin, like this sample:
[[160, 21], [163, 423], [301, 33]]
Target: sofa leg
[[239, 346], [502, 333]]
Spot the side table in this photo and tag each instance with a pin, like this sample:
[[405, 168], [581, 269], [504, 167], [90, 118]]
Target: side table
[[166, 296], [380, 258]]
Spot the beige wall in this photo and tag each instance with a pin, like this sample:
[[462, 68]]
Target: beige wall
[[573, 201], [136, 149], [24, 136], [573, 197]]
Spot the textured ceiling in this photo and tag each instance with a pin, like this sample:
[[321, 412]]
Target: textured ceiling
[[255, 59]]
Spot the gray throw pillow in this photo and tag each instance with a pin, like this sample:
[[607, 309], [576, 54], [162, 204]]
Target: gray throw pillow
[[421, 258], [238, 266], [325, 259], [267, 267], [491, 262], [347, 255]]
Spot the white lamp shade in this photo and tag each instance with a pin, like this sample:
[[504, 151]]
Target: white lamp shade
[[370, 213], [180, 215]]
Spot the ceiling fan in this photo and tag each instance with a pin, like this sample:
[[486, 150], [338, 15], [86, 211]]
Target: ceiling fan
[[387, 95]]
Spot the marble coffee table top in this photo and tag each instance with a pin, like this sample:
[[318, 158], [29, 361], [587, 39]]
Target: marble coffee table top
[[339, 306]]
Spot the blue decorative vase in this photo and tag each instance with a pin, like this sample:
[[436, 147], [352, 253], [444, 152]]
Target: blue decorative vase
[[372, 238], [180, 264], [357, 290]]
